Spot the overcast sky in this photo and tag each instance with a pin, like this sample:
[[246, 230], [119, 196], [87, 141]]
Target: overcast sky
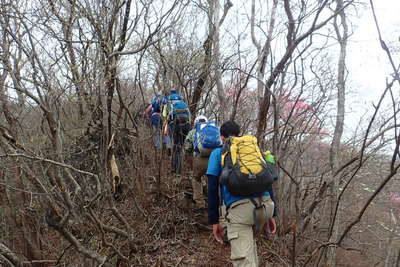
[[368, 64]]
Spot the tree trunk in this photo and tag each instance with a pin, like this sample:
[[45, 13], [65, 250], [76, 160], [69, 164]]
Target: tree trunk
[[335, 146], [216, 59], [206, 66], [209, 46], [264, 101]]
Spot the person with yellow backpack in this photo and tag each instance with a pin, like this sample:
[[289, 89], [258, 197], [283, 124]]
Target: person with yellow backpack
[[240, 175]]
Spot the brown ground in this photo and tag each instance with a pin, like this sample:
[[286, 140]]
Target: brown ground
[[170, 232], [181, 236]]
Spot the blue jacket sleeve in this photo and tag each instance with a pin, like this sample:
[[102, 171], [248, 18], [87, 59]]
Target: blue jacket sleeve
[[213, 199]]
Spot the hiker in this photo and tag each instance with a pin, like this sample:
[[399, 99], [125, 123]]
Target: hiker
[[174, 106], [201, 140], [153, 112], [178, 129], [244, 211], [177, 126], [170, 99], [157, 103], [156, 123], [147, 111]]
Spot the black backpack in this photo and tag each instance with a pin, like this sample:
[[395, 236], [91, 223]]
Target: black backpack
[[245, 171]]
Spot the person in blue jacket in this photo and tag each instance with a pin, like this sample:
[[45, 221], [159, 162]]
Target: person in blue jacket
[[156, 122], [239, 216]]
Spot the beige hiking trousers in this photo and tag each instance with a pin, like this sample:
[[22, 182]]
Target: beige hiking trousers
[[240, 221], [199, 169]]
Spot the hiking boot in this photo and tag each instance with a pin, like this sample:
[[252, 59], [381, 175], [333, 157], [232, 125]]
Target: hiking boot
[[198, 197]]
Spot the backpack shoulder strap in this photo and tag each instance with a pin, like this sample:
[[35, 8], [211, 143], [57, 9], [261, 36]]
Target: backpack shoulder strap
[[227, 145], [225, 152], [258, 223]]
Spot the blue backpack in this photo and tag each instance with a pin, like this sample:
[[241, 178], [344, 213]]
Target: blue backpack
[[157, 102], [199, 126], [174, 97], [207, 138], [180, 111]]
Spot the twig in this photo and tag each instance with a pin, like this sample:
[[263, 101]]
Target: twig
[[49, 161], [62, 254], [103, 238], [383, 44], [288, 174], [3, 259], [39, 261], [366, 205], [184, 246], [139, 208], [201, 226], [278, 256], [101, 259], [9, 256], [25, 191], [118, 215], [179, 262], [174, 196]]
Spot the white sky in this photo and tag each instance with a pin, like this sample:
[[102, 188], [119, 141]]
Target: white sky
[[368, 64]]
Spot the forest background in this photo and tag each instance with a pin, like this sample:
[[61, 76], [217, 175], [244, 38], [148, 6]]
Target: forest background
[[81, 185]]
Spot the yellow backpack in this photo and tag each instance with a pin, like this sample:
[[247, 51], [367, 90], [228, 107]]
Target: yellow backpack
[[245, 150], [245, 171]]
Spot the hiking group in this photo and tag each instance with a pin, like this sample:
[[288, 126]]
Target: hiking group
[[169, 117], [240, 196]]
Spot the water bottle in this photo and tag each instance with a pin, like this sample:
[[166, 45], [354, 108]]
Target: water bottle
[[269, 157]]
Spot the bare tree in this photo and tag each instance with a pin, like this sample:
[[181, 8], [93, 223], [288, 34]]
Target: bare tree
[[342, 34], [293, 39], [80, 53], [211, 52]]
